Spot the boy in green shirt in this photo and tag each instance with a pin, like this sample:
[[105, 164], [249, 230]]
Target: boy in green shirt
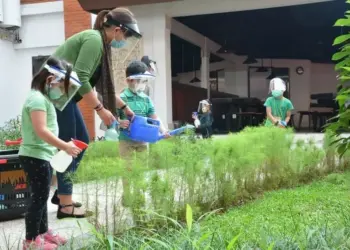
[[137, 76], [278, 108]]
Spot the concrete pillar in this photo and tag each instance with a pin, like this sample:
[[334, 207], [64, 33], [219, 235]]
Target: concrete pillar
[[205, 70], [156, 39]]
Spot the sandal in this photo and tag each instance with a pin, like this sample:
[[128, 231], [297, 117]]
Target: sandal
[[62, 215], [56, 201]]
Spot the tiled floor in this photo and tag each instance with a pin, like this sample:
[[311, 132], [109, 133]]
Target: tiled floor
[[11, 232]]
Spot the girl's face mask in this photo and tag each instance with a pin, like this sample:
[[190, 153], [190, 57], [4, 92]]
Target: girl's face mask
[[53, 89], [277, 93]]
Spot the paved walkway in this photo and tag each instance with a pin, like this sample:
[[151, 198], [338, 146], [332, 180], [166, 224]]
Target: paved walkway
[[11, 232]]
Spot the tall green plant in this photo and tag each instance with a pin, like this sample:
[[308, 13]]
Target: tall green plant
[[342, 57]]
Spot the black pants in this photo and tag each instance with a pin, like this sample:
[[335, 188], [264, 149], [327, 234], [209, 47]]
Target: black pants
[[38, 174]]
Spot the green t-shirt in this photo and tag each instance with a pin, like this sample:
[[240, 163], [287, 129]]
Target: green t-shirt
[[32, 145], [84, 51], [139, 103], [279, 108]]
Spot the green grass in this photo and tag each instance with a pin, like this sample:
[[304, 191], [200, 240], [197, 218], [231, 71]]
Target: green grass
[[315, 216]]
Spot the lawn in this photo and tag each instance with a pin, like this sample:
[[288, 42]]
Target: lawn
[[314, 216]]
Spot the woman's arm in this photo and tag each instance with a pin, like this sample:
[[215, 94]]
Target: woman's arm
[[39, 124]]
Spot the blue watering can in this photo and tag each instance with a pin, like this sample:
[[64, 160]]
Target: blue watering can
[[144, 129], [111, 133]]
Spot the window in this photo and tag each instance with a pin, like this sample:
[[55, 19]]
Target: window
[[37, 63]]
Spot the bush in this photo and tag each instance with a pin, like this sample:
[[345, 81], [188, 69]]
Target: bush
[[206, 174], [10, 131]]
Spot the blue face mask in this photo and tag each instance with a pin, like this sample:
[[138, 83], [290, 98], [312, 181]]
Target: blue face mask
[[118, 44], [277, 93]]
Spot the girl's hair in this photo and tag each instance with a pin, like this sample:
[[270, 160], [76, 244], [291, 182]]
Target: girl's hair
[[39, 80], [120, 14]]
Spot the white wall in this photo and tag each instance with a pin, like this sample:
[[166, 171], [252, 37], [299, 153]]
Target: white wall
[[41, 32], [323, 78]]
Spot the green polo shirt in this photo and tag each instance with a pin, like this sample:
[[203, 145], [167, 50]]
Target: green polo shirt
[[84, 51], [279, 108], [139, 103]]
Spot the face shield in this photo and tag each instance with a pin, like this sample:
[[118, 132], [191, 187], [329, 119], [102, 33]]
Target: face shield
[[56, 87], [129, 29], [141, 82], [277, 87], [204, 107], [152, 65]]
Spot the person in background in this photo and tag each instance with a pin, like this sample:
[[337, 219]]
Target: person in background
[[90, 53], [204, 119], [278, 108], [137, 77], [39, 145]]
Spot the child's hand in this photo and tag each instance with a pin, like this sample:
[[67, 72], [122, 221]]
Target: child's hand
[[124, 124], [166, 135], [283, 123], [72, 149]]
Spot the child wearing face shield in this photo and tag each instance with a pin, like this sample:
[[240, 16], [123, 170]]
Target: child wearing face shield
[[278, 108], [137, 77], [51, 87], [204, 119]]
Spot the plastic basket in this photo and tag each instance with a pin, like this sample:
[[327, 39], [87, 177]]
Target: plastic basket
[[14, 190]]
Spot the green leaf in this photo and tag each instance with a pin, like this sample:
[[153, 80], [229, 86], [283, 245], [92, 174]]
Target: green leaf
[[341, 39], [271, 246], [342, 149], [340, 55], [342, 22], [232, 242], [189, 218]]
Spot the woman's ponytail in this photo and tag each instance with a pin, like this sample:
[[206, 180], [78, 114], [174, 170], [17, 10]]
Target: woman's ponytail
[[100, 19]]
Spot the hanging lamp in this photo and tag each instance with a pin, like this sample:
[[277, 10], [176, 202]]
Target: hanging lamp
[[195, 78], [224, 50], [272, 74], [250, 60], [262, 69]]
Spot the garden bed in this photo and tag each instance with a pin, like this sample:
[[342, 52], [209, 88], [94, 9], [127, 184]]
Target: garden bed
[[241, 168]]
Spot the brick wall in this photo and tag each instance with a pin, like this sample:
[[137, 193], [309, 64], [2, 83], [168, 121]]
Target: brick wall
[[36, 1], [76, 20]]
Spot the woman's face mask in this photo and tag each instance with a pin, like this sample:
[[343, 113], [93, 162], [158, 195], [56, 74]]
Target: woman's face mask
[[120, 42], [277, 93]]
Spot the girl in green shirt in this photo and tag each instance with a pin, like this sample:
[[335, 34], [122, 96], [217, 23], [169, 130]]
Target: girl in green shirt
[[39, 145]]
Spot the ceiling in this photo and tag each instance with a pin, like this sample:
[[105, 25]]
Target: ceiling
[[295, 32]]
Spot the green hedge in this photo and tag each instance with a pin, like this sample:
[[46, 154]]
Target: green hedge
[[206, 174]]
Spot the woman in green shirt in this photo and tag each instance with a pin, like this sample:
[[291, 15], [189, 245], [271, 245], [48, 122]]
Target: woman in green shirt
[[89, 53]]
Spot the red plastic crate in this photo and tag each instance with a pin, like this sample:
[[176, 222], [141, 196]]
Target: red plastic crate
[[14, 191]]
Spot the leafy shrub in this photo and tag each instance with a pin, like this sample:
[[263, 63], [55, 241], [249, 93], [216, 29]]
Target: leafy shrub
[[10, 131], [206, 174]]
